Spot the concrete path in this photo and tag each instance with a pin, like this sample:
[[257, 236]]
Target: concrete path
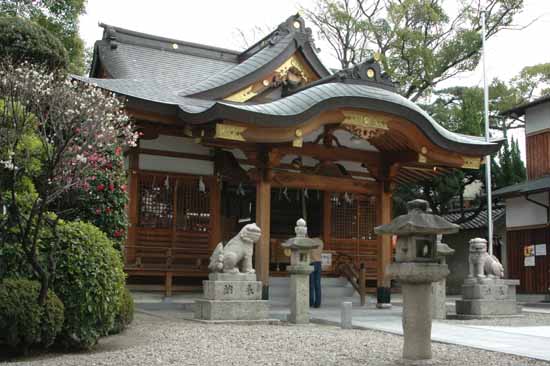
[[531, 342]]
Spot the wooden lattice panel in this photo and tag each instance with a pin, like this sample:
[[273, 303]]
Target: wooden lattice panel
[[156, 201], [192, 205], [353, 217], [366, 217]]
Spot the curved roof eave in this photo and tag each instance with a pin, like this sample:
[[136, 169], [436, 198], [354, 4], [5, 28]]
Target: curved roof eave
[[300, 107]]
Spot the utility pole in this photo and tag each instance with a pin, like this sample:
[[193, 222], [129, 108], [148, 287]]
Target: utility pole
[[487, 138]]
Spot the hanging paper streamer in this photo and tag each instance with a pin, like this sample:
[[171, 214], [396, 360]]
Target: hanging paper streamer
[[240, 190], [285, 194], [202, 187], [347, 198], [167, 183], [306, 194]]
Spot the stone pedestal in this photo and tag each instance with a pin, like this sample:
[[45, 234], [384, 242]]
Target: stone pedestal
[[229, 296], [416, 286], [299, 293], [487, 297]]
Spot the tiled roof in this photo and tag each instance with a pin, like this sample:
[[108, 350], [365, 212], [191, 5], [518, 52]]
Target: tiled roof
[[247, 67], [192, 79], [174, 70], [474, 221], [532, 186]]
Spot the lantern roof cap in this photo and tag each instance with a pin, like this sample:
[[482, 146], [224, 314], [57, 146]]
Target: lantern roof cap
[[418, 220]]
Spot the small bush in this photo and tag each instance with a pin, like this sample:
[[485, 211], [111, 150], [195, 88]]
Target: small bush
[[23, 40], [24, 323], [125, 314], [90, 282]]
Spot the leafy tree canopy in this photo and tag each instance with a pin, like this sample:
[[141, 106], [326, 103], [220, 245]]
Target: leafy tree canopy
[[24, 40], [60, 17], [421, 42]]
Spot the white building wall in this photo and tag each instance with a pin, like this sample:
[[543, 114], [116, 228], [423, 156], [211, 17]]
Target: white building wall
[[175, 164], [538, 118], [174, 144], [520, 212]]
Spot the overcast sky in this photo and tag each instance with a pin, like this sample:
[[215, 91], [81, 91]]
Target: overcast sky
[[215, 23]]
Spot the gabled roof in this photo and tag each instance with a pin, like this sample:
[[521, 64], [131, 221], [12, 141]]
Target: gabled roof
[[125, 54], [290, 37], [519, 110], [530, 187], [199, 70]]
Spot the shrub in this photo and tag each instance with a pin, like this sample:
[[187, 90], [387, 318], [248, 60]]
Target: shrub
[[23, 40], [24, 323], [125, 313], [90, 281]]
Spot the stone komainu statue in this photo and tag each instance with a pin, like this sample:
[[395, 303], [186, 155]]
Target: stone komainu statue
[[237, 252], [481, 263]]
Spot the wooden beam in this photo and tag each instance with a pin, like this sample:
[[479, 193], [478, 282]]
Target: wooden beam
[[263, 217], [324, 153], [174, 154], [318, 182], [152, 117]]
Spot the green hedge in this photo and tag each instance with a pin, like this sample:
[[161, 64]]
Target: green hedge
[[24, 323], [90, 282], [23, 40], [125, 314]]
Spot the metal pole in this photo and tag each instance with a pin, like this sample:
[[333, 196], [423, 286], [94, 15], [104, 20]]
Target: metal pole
[[487, 138]]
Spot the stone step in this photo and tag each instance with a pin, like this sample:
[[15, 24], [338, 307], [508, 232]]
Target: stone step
[[325, 281], [333, 290]]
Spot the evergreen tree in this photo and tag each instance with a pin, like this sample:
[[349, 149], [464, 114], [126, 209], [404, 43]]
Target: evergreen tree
[[59, 17]]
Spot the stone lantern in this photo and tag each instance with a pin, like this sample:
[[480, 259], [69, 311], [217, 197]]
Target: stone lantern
[[417, 267], [299, 269]]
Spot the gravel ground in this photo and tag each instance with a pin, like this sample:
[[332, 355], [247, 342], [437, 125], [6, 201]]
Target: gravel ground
[[153, 340], [528, 319]]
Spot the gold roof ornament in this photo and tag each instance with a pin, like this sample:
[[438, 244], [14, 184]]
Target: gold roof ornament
[[364, 125]]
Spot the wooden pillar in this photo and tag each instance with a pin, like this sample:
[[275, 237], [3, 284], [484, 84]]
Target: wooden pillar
[[168, 284], [385, 248], [215, 235], [327, 213], [263, 217], [133, 195]]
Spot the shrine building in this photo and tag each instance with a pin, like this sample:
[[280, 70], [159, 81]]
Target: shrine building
[[265, 135]]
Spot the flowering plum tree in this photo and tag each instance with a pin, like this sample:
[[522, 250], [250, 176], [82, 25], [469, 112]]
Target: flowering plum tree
[[55, 134]]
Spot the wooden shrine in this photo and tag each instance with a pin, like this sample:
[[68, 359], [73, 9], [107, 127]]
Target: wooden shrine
[[265, 135]]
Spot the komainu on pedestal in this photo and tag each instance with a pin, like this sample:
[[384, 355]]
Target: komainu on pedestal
[[484, 292], [232, 291]]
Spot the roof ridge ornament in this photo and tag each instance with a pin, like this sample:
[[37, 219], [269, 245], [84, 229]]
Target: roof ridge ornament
[[293, 24], [368, 71]]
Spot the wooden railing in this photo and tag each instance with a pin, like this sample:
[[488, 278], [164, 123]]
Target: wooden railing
[[165, 249], [358, 279]]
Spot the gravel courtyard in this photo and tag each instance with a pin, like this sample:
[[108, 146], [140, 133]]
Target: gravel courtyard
[[171, 340]]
